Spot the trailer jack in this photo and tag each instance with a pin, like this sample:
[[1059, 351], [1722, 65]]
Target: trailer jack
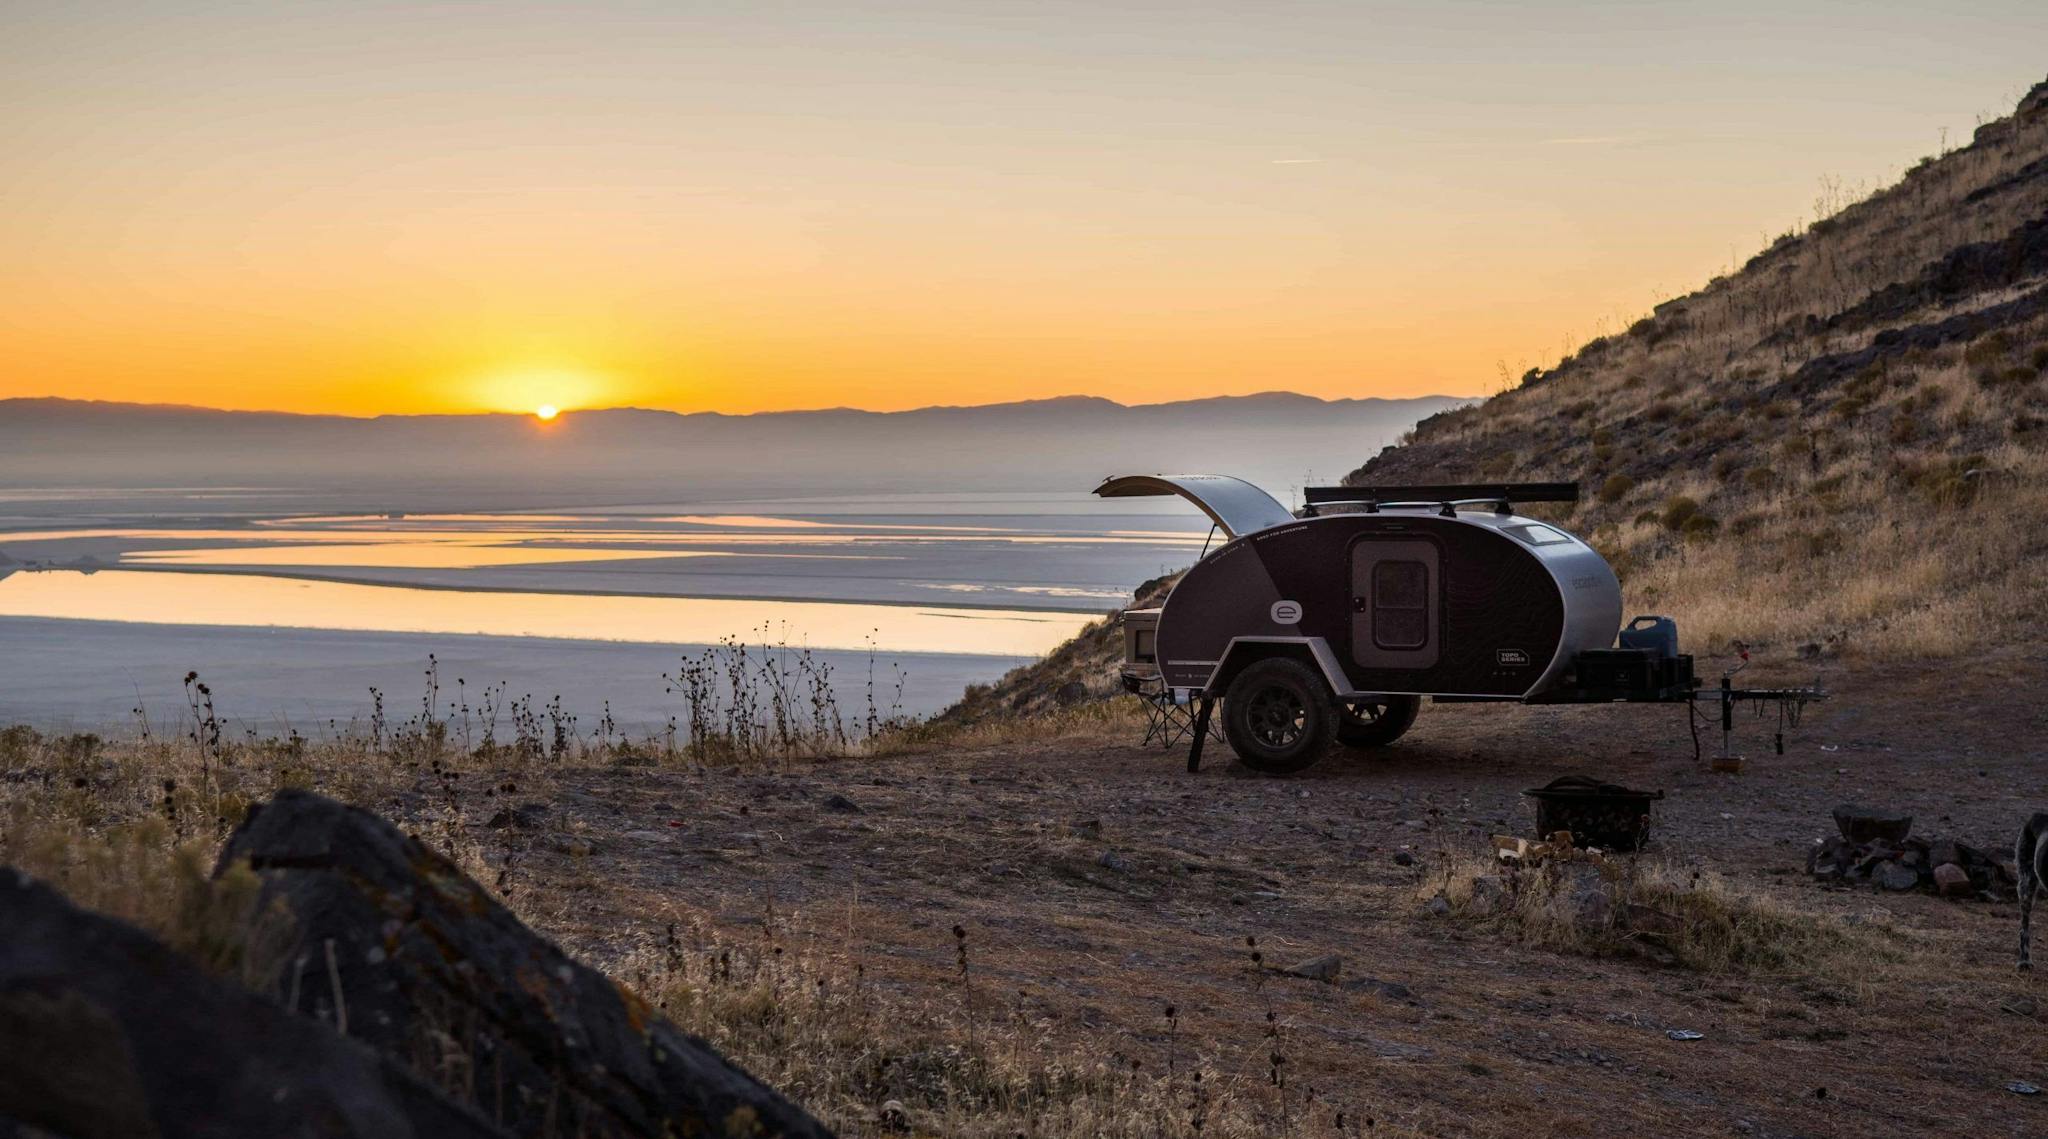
[[1203, 706]]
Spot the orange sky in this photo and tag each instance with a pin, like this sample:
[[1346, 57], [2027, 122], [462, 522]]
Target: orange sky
[[377, 208]]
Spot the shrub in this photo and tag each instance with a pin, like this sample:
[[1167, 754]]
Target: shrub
[[1725, 466], [1988, 351], [1616, 488], [2011, 377], [1699, 527], [1922, 401], [18, 743], [1814, 544], [1942, 482], [1662, 411], [1677, 509], [1760, 478]]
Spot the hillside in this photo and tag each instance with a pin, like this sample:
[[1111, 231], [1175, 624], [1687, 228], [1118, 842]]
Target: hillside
[[1839, 447]]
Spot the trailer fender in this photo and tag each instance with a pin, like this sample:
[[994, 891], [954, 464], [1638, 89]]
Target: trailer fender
[[1242, 651]]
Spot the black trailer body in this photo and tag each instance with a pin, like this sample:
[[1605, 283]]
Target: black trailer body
[[1475, 602], [1332, 624], [1395, 602]]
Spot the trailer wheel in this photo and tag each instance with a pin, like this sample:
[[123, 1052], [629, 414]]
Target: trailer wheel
[[1279, 716], [1378, 722]]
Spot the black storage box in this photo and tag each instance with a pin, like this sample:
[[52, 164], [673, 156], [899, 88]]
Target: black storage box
[[1674, 673], [1618, 670]]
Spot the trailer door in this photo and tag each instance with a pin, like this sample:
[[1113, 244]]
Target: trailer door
[[1396, 596]]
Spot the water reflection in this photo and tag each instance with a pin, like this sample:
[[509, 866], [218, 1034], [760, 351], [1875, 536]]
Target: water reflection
[[253, 601], [400, 555]]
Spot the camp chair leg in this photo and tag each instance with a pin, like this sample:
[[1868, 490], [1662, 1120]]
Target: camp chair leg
[[1201, 734]]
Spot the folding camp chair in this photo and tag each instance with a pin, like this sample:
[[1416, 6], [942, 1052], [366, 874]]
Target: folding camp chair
[[1167, 721]]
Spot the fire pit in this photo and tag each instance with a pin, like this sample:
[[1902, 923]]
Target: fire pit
[[1605, 815], [1866, 824]]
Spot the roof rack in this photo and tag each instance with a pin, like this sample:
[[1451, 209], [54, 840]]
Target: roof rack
[[1501, 496]]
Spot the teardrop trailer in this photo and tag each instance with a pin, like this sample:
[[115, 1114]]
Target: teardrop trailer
[[1331, 625]]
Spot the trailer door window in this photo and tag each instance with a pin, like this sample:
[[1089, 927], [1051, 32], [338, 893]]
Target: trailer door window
[[1400, 604], [1397, 600]]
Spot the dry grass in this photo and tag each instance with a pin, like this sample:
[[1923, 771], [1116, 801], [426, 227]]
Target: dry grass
[[1092, 719], [1663, 911], [969, 1059], [128, 836], [133, 830]]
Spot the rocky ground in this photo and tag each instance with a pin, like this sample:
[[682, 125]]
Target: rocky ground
[[1098, 883]]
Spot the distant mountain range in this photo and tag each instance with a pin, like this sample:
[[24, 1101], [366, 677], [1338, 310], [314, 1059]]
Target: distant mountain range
[[632, 454]]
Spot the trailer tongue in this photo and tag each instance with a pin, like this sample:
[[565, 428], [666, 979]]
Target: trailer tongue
[[1330, 625]]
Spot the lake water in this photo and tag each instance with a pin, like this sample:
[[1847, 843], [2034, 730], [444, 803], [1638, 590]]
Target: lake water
[[293, 618]]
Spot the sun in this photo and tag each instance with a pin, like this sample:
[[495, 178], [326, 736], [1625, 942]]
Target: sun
[[546, 412]]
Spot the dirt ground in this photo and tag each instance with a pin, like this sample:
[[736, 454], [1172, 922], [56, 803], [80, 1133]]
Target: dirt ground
[[1099, 883]]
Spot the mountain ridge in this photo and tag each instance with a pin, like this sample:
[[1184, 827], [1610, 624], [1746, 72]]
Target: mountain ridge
[[1275, 397], [1062, 446]]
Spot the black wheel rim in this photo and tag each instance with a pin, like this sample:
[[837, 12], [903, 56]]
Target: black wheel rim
[[1366, 713], [1277, 716]]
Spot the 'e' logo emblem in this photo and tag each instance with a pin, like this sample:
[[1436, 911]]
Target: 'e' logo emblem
[[1286, 612]]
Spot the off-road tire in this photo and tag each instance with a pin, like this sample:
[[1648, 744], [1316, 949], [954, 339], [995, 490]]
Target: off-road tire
[[1377, 722], [1279, 716]]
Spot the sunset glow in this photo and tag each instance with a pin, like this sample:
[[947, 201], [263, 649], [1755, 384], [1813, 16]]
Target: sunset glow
[[762, 207], [545, 412]]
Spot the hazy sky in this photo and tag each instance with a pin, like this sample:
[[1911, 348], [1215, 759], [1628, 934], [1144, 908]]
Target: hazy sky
[[371, 207]]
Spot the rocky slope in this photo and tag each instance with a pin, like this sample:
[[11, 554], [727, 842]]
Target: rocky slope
[[1841, 446]]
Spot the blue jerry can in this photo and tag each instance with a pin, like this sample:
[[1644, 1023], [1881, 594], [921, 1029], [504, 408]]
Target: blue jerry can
[[1658, 634]]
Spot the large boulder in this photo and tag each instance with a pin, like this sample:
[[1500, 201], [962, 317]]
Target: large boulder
[[428, 965], [105, 1031]]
